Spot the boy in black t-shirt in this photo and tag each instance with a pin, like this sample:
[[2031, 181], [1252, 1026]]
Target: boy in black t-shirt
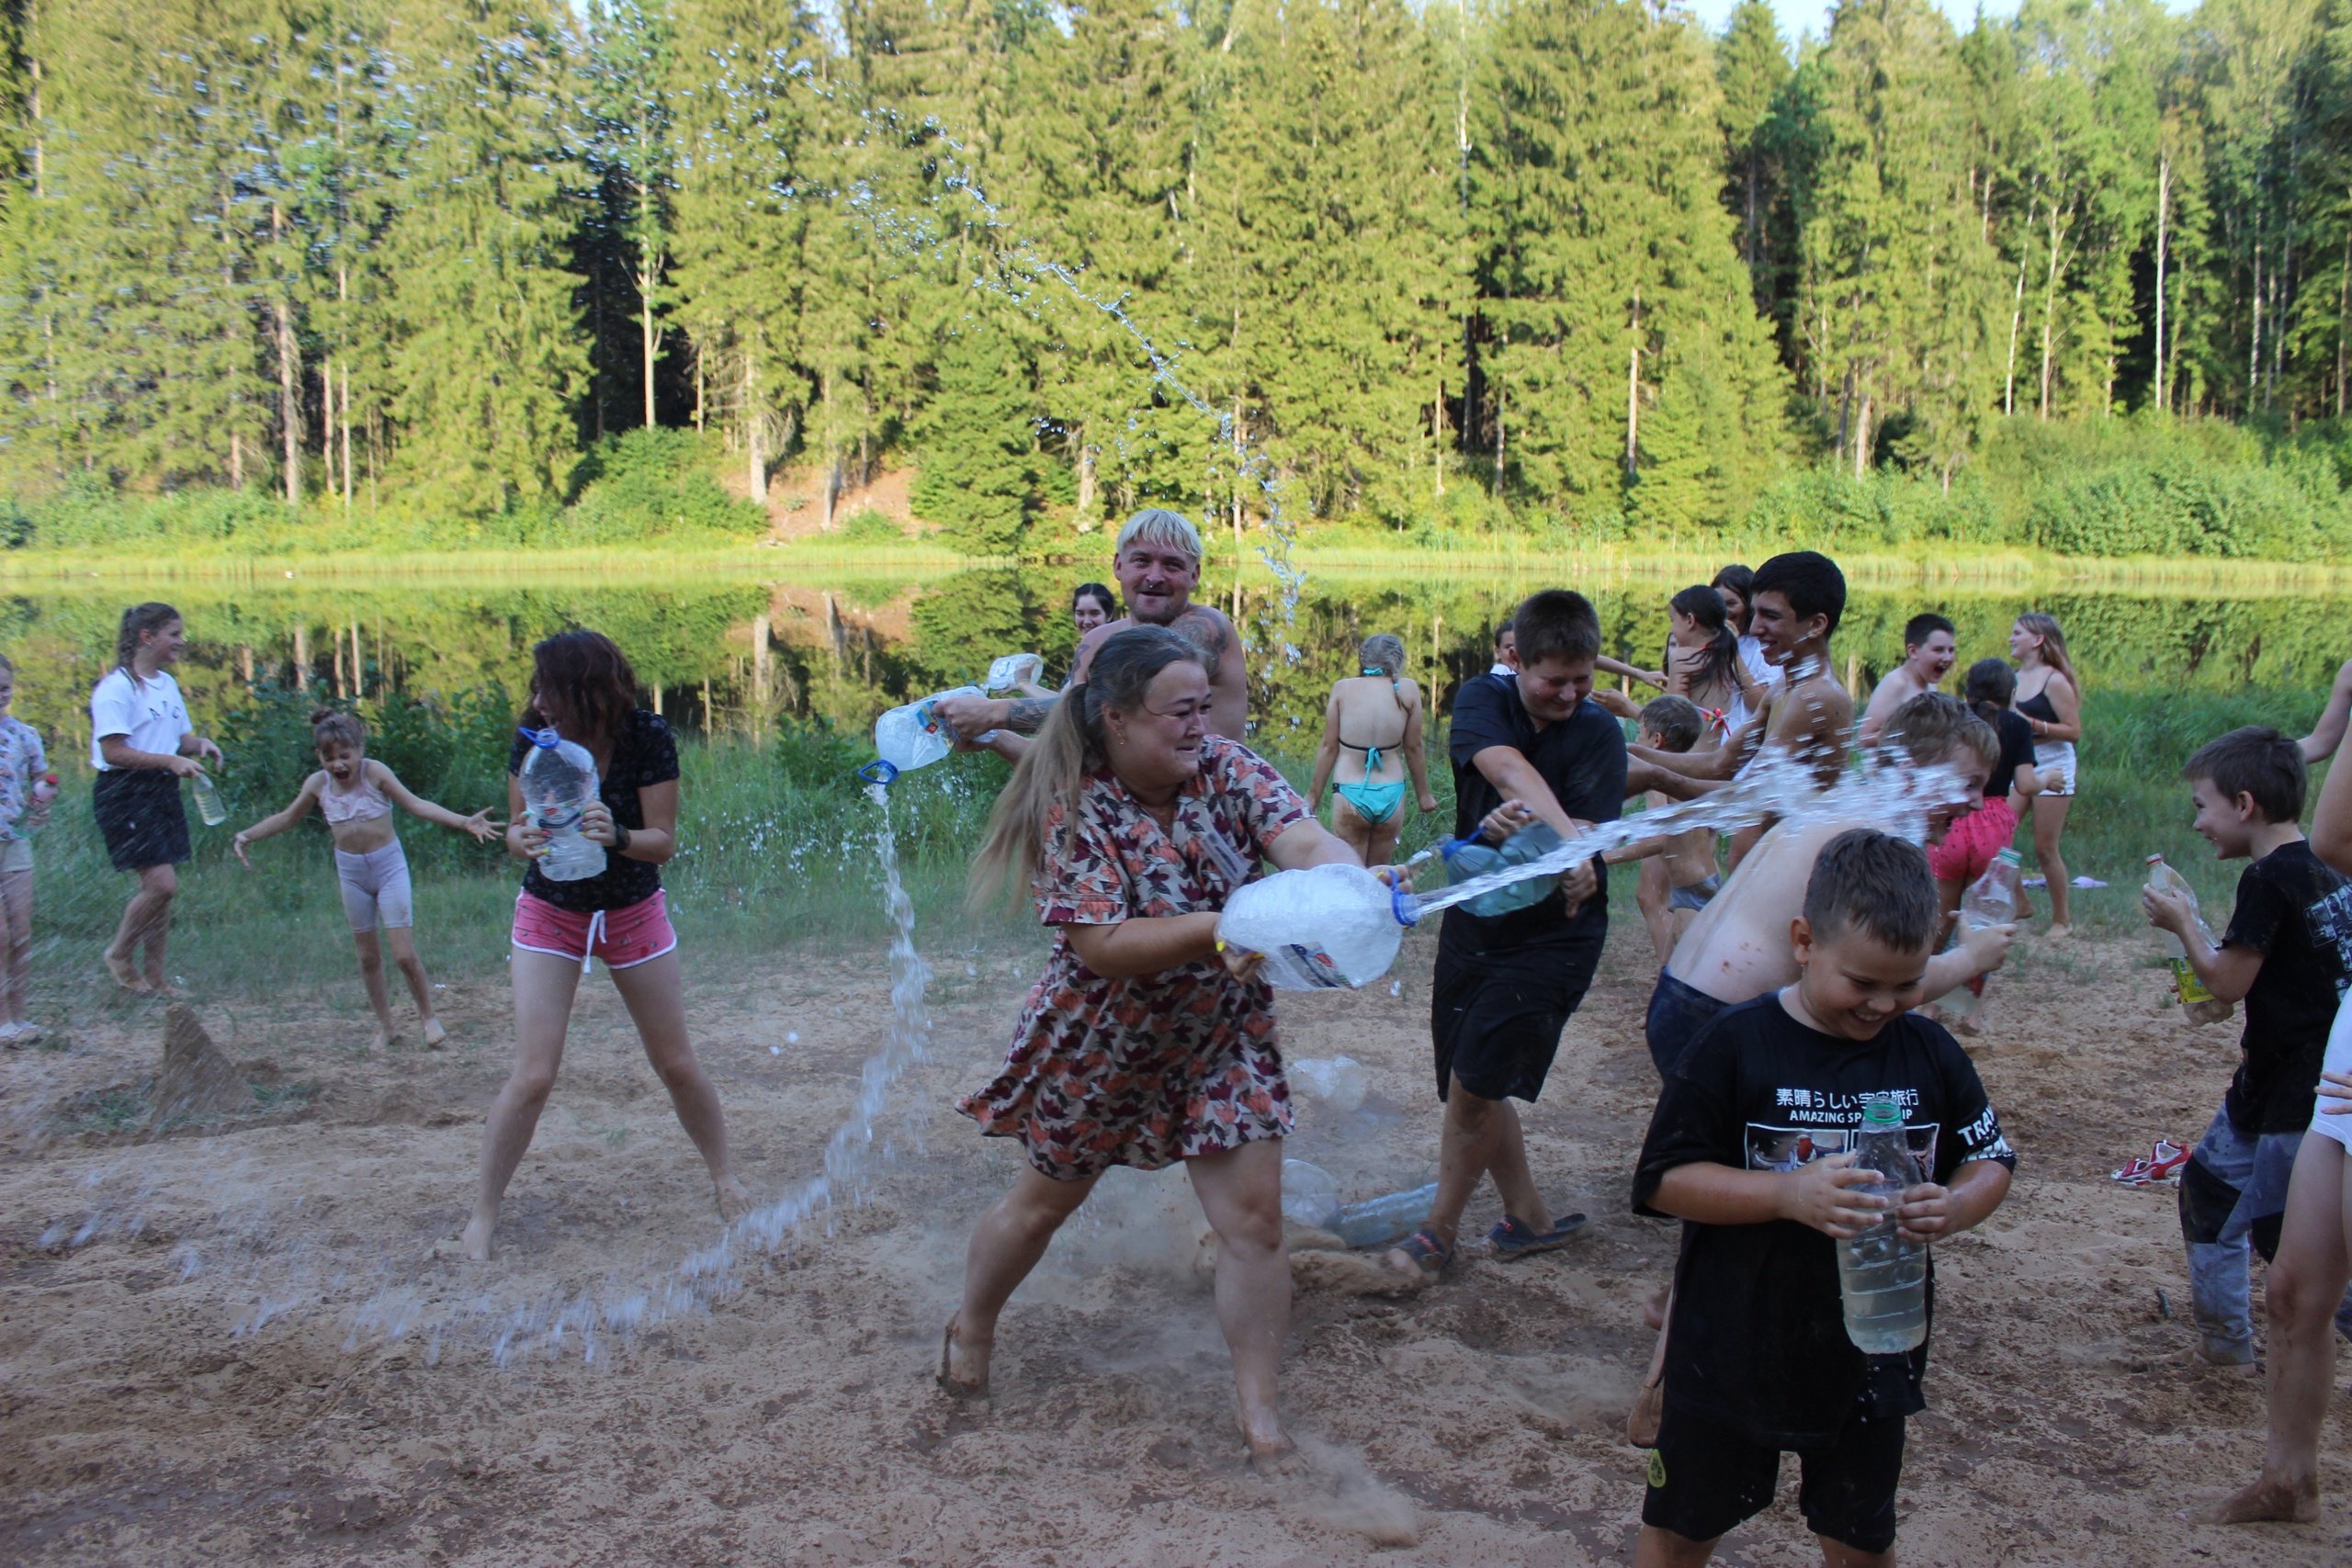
[[2285, 956], [1527, 747], [1749, 1147]]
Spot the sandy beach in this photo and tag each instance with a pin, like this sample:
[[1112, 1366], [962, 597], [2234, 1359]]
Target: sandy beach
[[199, 1367]]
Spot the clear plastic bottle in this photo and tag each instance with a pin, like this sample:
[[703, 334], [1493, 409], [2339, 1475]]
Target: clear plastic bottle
[[1321, 929], [1336, 1082], [559, 780], [1992, 900], [1012, 669], [1378, 1221], [1310, 1194], [1881, 1274], [2200, 1004], [1466, 858], [209, 804], [45, 789], [911, 736]]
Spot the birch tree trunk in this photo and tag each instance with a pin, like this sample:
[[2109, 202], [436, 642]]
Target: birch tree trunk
[[2163, 213]]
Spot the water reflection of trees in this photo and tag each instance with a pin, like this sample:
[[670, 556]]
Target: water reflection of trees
[[737, 657]]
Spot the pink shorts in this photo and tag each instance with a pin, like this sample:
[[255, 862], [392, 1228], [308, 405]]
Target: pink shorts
[[1972, 840], [623, 938]]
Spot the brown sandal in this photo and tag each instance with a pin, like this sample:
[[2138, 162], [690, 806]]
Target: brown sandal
[[950, 1384]]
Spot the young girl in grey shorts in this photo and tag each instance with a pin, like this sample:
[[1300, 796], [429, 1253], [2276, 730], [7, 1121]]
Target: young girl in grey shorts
[[357, 797]]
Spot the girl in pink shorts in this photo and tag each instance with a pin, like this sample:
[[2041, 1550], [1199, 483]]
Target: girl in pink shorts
[[584, 688]]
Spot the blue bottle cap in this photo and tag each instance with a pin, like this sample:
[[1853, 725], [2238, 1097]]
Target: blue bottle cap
[[545, 739], [879, 772]]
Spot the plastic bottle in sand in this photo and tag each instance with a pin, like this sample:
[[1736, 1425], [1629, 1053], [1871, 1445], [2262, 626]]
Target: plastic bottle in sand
[[1379, 1221], [2200, 1004], [1310, 1194], [1881, 1274]]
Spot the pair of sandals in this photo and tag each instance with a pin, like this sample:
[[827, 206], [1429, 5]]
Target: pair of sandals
[[1511, 1238], [2164, 1162]]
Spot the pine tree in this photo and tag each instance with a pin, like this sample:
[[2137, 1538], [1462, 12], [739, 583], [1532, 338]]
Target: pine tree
[[979, 460]]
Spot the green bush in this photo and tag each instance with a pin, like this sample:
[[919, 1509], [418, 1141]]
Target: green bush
[[867, 527]]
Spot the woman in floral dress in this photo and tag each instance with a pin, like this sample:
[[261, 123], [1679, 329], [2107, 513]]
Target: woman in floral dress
[[1143, 1044]]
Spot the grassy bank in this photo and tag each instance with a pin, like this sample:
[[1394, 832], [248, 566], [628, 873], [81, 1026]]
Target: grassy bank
[[779, 859]]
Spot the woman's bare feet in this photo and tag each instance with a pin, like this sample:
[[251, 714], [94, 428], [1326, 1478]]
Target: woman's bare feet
[[2291, 1502], [1272, 1452], [964, 1364], [2059, 933], [381, 1038], [434, 1034], [734, 1198], [475, 1239], [126, 973]]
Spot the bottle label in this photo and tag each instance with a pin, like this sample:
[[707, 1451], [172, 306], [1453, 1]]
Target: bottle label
[[1293, 967], [2185, 982]]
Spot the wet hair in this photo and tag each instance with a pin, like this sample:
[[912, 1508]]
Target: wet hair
[[1068, 748], [1675, 721], [1876, 884], [137, 622], [334, 724], [2054, 644], [1989, 690], [1100, 594], [1719, 663], [1158, 526], [590, 679], [1809, 580], [2255, 761], [1931, 727], [1742, 581], [1925, 624], [1558, 623], [1383, 652]]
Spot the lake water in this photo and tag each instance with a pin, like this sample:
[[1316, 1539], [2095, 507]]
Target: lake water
[[737, 651]]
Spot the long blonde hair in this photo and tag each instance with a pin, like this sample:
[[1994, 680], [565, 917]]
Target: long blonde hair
[[2052, 650], [1068, 748]]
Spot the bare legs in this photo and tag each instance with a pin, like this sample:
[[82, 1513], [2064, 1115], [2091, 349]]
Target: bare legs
[[545, 984], [402, 942], [2049, 823], [2302, 1289], [1240, 1193], [146, 921], [1375, 845], [16, 912], [1481, 1137]]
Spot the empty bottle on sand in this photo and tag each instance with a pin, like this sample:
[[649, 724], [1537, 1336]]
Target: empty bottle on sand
[[559, 780], [912, 736], [1378, 1221], [1310, 1195], [209, 804], [2201, 1005], [1320, 929], [1882, 1274]]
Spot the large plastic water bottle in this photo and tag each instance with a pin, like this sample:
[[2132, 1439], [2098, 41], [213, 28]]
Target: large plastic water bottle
[[1992, 900], [1379, 1221], [2200, 1005], [912, 736], [1881, 1274], [1321, 929], [559, 781], [1466, 858]]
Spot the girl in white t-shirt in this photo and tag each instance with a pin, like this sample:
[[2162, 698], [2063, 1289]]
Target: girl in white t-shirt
[[141, 746]]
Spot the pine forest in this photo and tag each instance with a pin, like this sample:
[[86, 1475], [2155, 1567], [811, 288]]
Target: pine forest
[[518, 269]]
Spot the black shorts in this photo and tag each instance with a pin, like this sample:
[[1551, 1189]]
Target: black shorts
[[1678, 1011], [141, 817], [1706, 1479], [1495, 1018]]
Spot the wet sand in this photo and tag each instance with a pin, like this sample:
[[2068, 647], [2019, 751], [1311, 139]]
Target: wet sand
[[183, 1383]]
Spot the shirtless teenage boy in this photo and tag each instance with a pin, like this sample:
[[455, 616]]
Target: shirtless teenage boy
[[1157, 564], [1798, 600], [1930, 650]]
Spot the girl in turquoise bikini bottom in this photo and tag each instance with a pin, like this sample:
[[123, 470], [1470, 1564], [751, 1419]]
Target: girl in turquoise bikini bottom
[[1375, 803]]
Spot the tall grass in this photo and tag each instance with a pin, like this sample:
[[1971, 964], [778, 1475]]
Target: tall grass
[[777, 855]]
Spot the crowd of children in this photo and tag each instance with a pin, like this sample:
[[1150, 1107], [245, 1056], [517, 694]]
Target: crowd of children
[[1788, 1006]]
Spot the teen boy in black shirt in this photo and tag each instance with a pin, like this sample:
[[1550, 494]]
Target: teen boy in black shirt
[[1749, 1147], [2284, 957], [1525, 746]]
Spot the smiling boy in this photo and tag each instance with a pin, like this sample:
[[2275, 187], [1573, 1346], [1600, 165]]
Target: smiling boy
[[1794, 610], [1929, 651], [2284, 956], [1750, 1147]]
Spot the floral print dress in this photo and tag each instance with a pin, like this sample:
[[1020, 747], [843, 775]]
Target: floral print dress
[[1154, 1068]]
